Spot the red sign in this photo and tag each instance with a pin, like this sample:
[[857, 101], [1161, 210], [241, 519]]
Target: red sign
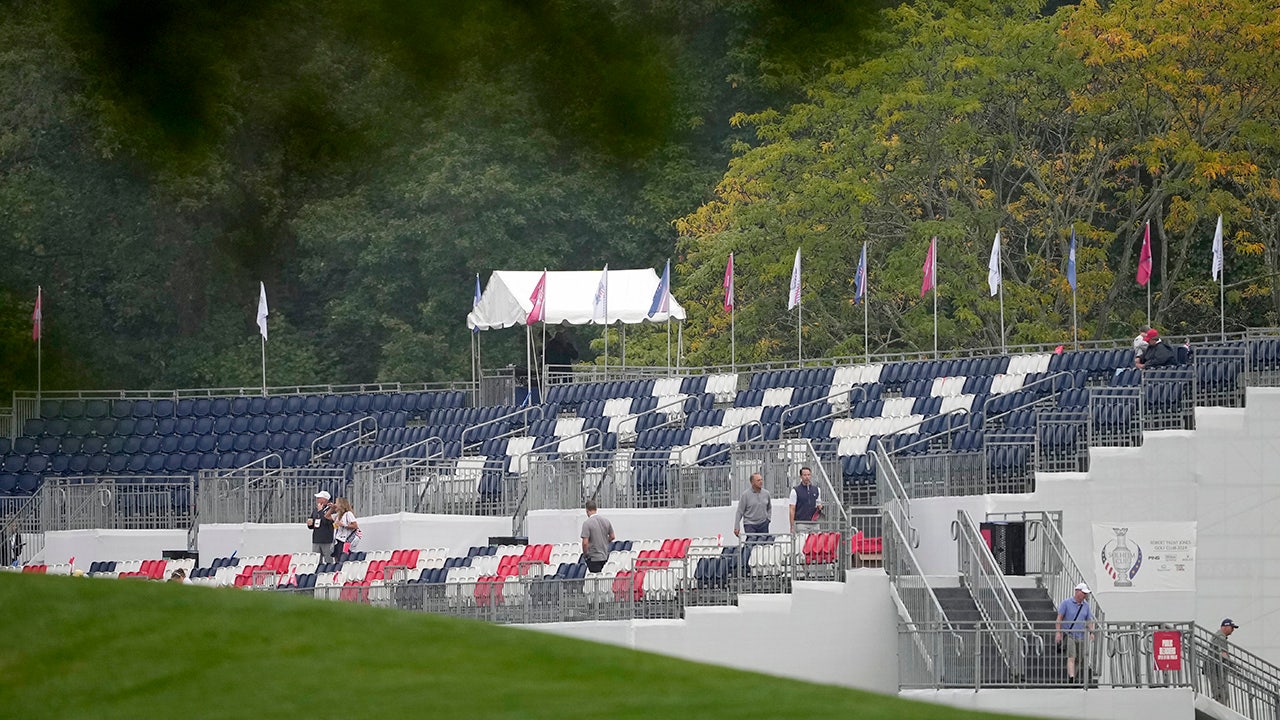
[[1168, 649]]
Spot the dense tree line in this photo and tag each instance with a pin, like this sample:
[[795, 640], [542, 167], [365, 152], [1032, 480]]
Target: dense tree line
[[365, 160], [975, 117]]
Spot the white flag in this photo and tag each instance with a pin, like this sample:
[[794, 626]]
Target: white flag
[[262, 309], [1217, 251], [993, 266], [600, 306], [793, 299]]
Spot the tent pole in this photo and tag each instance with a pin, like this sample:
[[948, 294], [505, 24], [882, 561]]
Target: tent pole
[[668, 344]]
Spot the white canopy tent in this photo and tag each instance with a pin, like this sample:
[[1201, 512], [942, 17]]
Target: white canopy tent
[[570, 299]]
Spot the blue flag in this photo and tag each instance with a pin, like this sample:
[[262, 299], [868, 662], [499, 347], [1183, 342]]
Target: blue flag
[[662, 295], [1071, 262], [860, 277]]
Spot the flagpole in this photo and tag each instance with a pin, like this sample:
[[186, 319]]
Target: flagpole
[[733, 336], [528, 363], [1003, 347], [799, 338], [668, 343], [606, 319], [1222, 301], [39, 347], [264, 367], [542, 372], [935, 299], [679, 343], [1149, 274], [866, 300], [1075, 327]]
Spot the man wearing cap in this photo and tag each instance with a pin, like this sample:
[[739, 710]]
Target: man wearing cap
[[1157, 354], [1078, 617], [321, 524], [1218, 664]]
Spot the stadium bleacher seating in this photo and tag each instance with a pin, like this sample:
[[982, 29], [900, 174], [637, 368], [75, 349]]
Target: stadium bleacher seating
[[658, 422]]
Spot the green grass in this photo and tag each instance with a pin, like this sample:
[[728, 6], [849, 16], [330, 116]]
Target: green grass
[[85, 648]]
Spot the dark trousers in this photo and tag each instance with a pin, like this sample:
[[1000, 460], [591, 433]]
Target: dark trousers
[[756, 532], [596, 566]]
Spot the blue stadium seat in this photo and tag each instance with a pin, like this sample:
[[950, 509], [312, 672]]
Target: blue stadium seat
[[91, 445], [136, 463], [113, 445], [98, 463], [220, 406], [239, 406], [28, 483], [77, 464], [187, 443], [258, 405], [121, 409], [167, 425], [48, 445], [161, 408], [94, 409], [222, 424]]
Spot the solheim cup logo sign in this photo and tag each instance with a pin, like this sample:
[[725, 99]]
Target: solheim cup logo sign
[[1121, 562]]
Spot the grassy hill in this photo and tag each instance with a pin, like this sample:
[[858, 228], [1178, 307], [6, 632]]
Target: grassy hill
[[85, 648]]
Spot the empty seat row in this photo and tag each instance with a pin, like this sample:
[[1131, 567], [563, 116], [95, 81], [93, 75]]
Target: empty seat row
[[412, 402]]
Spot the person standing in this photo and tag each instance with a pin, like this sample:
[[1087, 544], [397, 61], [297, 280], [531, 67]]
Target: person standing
[[805, 503], [597, 533], [1078, 629], [1218, 664], [321, 523], [754, 509], [346, 531]]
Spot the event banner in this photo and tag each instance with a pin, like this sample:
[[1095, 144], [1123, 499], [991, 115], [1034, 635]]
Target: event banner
[[1144, 556]]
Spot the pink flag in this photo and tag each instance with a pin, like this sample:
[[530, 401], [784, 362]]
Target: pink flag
[[539, 300], [37, 316], [930, 265], [728, 285], [1144, 258]]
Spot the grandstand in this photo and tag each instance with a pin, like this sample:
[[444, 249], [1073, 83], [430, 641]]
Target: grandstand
[[472, 509]]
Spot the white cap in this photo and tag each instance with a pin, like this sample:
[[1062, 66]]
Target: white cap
[[1084, 589], [324, 494]]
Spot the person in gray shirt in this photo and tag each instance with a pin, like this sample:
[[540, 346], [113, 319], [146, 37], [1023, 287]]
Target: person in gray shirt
[[754, 509], [597, 533]]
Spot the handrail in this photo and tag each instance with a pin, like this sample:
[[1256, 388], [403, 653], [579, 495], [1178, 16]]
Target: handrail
[[900, 563], [635, 417], [585, 447], [1052, 394], [835, 413], [1064, 581], [355, 423], [735, 428], [263, 461], [395, 455], [990, 592], [522, 410]]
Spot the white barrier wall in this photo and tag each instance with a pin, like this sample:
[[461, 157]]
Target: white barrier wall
[[380, 532], [90, 546], [557, 526], [835, 633], [1225, 476]]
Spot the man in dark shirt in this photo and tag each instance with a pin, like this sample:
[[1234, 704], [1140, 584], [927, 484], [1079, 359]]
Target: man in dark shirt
[[1157, 354], [321, 524]]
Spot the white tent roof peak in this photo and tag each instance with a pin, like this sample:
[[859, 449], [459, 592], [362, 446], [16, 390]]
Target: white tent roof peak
[[570, 298]]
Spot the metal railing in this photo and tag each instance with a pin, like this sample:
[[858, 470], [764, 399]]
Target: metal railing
[[1048, 558], [434, 485], [358, 426], [152, 502], [622, 479], [265, 492], [20, 529], [1234, 677], [996, 603], [1115, 655]]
